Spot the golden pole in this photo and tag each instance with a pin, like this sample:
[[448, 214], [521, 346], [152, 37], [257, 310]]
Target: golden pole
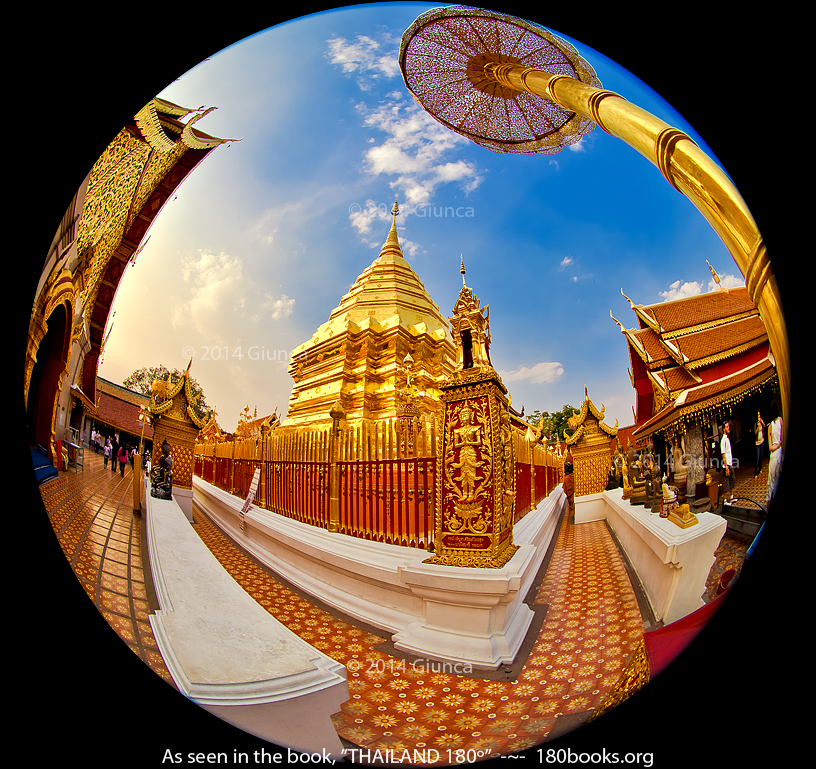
[[144, 415], [689, 170]]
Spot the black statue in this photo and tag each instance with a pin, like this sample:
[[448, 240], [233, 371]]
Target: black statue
[[161, 476]]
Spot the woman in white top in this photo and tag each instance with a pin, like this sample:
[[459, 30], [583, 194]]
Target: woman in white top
[[775, 447]]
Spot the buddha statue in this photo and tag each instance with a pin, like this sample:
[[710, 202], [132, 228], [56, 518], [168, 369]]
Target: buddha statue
[[161, 476], [627, 486]]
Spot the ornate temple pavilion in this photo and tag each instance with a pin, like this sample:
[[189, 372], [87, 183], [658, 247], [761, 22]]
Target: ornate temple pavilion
[[696, 361], [99, 236], [386, 337]]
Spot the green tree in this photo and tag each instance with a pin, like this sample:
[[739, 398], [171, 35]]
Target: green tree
[[141, 380], [554, 421]]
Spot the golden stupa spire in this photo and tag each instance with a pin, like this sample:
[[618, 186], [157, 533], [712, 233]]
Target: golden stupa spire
[[392, 241], [462, 269]]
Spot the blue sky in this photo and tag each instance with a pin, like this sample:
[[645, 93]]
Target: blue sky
[[267, 234]]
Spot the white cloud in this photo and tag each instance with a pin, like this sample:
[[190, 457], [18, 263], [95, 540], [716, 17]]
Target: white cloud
[[565, 262], [367, 57], [579, 146], [218, 296], [417, 151], [541, 373], [727, 281], [278, 307], [363, 219], [678, 290], [216, 282]]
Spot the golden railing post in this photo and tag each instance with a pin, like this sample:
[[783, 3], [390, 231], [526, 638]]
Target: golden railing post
[[265, 430], [232, 468], [689, 170], [137, 482], [337, 413]]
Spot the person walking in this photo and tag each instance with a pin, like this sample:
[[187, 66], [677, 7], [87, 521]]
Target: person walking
[[107, 451], [759, 434], [775, 449], [114, 453], [727, 461], [122, 456]]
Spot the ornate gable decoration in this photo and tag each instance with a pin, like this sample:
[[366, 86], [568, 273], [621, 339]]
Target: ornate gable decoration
[[167, 399], [588, 423], [211, 431]]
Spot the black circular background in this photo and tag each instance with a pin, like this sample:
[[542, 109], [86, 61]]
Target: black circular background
[[76, 75]]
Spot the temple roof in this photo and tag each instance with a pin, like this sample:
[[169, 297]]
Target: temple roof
[[388, 293], [696, 400], [702, 309], [692, 350], [119, 407]]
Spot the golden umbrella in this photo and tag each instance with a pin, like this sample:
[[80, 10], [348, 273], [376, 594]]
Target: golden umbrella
[[513, 86]]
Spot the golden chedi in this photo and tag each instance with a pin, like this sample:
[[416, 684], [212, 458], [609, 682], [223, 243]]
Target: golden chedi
[[357, 358]]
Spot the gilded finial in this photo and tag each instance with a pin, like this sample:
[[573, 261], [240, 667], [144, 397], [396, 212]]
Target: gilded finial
[[714, 274], [462, 268], [393, 239]]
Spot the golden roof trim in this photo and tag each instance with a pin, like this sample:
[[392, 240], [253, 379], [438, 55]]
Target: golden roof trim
[[678, 411], [730, 353]]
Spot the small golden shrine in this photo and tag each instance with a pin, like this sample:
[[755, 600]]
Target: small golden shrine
[[211, 432], [175, 421], [683, 517], [360, 356], [591, 447], [474, 517]]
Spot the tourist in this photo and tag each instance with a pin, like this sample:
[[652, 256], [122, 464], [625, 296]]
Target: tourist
[[114, 453], [107, 451], [122, 456], [93, 440], [727, 461], [775, 448], [759, 434]]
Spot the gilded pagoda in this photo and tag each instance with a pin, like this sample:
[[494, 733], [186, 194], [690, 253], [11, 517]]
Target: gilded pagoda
[[591, 447], [386, 344]]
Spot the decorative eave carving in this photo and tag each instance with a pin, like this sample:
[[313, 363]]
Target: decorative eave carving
[[576, 421]]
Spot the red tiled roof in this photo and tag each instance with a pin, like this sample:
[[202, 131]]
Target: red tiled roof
[[678, 378], [651, 343], [120, 410], [718, 341], [699, 309]]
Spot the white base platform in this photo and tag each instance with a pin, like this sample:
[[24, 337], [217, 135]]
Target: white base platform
[[464, 617], [672, 563], [227, 654]]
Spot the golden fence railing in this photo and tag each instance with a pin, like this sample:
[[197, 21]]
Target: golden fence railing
[[385, 473], [388, 483]]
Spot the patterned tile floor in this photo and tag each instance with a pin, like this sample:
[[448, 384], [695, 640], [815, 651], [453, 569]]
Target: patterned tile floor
[[91, 512], [590, 630]]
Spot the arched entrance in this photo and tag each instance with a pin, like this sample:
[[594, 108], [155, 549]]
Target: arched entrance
[[49, 368]]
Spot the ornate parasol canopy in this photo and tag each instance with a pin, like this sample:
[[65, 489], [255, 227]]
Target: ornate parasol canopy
[[442, 58]]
